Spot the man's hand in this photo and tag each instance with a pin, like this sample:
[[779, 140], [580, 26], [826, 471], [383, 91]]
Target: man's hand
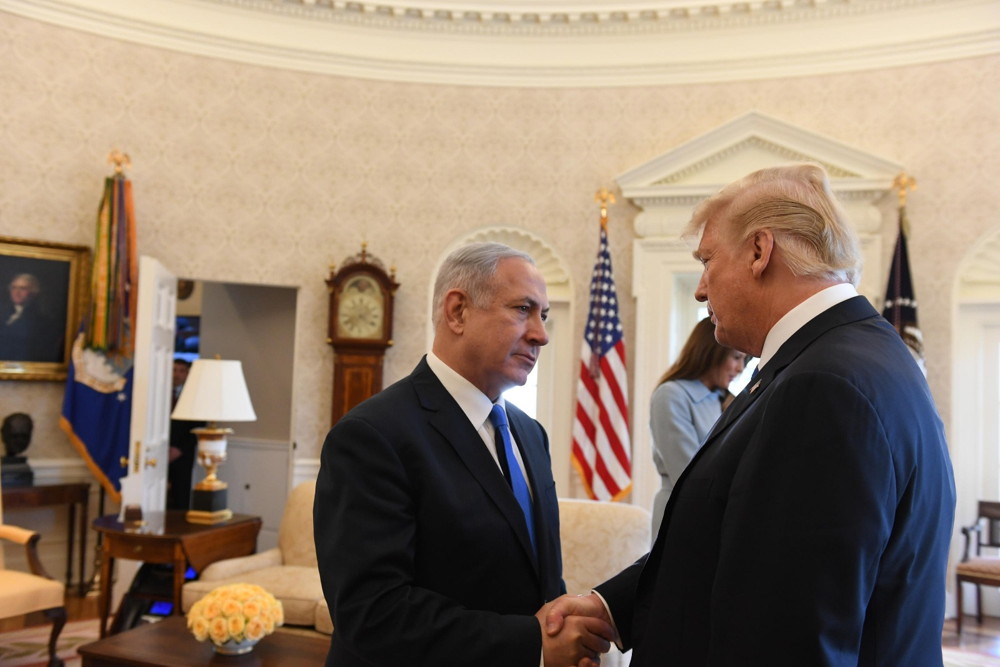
[[575, 631]]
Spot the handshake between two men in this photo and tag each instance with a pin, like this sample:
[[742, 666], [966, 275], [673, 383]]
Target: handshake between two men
[[576, 630]]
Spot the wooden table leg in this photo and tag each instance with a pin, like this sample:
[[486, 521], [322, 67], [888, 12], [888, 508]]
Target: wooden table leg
[[180, 565], [105, 598], [84, 509], [70, 533]]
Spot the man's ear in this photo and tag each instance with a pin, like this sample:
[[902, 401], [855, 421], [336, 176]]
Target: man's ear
[[762, 245], [456, 304]]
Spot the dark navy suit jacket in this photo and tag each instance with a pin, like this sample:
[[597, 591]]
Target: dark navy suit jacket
[[813, 526], [423, 551]]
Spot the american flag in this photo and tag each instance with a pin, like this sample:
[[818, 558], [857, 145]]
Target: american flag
[[601, 446]]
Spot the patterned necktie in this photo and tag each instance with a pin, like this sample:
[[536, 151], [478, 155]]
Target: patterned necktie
[[517, 482]]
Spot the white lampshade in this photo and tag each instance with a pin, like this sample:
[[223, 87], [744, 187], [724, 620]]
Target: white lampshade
[[215, 391]]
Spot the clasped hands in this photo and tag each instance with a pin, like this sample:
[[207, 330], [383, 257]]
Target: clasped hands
[[576, 630]]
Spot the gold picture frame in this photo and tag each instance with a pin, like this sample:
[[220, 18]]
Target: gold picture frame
[[43, 293]]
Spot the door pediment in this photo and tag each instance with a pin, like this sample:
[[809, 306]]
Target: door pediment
[[667, 187]]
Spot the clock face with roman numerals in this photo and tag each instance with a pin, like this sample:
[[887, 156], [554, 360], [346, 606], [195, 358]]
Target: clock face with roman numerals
[[361, 309]]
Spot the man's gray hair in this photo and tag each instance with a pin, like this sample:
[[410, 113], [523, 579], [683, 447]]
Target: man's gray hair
[[472, 269], [797, 204]]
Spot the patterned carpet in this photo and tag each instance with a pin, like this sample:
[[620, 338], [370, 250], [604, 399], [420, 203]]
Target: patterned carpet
[[29, 647]]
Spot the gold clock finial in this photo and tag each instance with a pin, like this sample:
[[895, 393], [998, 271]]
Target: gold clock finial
[[119, 160], [604, 197], [905, 184]]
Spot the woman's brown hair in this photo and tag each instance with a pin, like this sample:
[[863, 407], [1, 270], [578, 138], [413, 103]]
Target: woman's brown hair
[[700, 354]]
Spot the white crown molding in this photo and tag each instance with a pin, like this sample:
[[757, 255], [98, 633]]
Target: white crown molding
[[614, 43]]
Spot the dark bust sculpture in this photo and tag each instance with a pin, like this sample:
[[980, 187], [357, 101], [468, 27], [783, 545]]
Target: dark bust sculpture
[[16, 435]]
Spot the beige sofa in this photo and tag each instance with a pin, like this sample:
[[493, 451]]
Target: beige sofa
[[598, 540], [289, 571]]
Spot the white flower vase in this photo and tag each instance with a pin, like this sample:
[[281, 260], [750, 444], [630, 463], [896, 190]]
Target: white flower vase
[[235, 648]]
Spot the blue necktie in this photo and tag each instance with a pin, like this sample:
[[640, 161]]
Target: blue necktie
[[517, 482]]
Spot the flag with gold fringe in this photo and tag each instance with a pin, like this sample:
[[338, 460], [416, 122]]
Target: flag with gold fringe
[[601, 444], [900, 300], [97, 405]]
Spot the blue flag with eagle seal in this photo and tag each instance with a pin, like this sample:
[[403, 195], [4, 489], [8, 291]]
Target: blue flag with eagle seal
[[97, 405]]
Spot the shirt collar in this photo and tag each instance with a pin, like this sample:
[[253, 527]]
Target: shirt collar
[[798, 316], [696, 389], [474, 403]]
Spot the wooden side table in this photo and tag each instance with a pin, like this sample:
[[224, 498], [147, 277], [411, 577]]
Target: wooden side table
[[44, 495], [167, 537]]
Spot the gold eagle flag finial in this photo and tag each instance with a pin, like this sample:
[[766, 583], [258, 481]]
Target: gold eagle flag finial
[[119, 160], [905, 184], [604, 197]]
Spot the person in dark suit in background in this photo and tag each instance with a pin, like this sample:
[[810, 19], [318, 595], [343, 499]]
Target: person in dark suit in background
[[812, 527], [425, 555], [183, 446]]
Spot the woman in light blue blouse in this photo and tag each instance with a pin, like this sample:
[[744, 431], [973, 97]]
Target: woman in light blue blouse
[[686, 403]]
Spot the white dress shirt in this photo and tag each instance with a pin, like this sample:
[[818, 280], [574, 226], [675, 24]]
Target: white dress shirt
[[798, 316], [476, 405]]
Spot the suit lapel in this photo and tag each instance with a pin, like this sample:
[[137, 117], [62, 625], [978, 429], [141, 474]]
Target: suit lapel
[[446, 417]]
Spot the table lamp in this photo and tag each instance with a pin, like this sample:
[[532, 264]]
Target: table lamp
[[215, 391]]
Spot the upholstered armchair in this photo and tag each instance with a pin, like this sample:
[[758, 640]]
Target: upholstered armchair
[[599, 539], [22, 593], [289, 571]]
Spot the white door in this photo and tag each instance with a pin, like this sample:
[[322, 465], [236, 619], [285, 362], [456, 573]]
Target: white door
[[146, 482]]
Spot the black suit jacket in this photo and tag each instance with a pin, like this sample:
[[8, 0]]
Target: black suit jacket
[[813, 526], [423, 551]]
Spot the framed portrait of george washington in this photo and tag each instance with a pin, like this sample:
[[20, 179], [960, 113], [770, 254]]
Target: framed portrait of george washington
[[43, 289]]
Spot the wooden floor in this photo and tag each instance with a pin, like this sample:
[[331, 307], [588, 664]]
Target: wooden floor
[[983, 639]]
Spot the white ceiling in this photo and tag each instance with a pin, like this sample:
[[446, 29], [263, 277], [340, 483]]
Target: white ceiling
[[553, 43]]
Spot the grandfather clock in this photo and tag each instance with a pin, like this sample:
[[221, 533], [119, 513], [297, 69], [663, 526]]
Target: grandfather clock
[[360, 328]]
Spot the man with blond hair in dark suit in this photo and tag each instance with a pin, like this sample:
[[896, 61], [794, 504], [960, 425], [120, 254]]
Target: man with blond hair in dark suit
[[812, 528]]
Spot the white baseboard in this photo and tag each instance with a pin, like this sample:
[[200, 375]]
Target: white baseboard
[[304, 470]]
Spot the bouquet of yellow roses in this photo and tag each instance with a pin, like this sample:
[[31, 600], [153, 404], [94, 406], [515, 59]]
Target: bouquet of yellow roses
[[236, 612]]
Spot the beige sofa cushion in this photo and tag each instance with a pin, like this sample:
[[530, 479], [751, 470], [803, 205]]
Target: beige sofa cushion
[[324, 622], [599, 539], [295, 534]]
